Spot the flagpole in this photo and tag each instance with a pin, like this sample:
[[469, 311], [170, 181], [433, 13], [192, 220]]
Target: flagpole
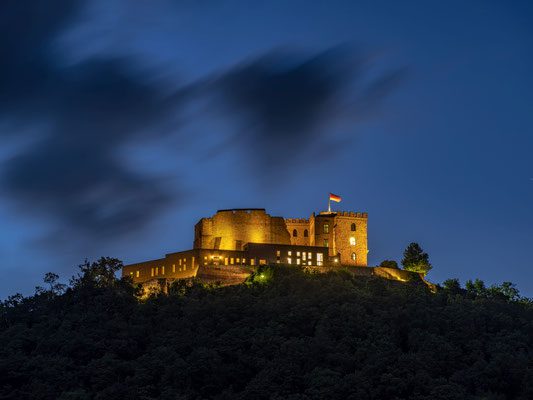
[[329, 204]]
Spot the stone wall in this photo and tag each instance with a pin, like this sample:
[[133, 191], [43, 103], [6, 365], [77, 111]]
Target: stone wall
[[299, 230], [227, 275], [232, 229]]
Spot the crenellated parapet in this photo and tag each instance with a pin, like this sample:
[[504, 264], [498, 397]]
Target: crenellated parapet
[[351, 214], [297, 221]]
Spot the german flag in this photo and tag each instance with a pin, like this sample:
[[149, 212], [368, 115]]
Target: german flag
[[334, 197]]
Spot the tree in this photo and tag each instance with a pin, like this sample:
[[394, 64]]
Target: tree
[[101, 273], [452, 286], [55, 287], [389, 264], [415, 260], [476, 288]]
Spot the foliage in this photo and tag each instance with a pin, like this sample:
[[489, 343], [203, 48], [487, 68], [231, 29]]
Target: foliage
[[452, 285], [289, 335], [415, 260], [389, 264]]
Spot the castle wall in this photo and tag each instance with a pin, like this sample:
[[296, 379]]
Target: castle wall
[[232, 229], [299, 231], [181, 265], [321, 220]]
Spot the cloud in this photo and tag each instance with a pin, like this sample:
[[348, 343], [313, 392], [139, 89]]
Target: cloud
[[288, 103], [87, 114], [73, 169]]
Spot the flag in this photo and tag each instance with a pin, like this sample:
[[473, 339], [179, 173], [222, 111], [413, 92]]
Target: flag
[[334, 197]]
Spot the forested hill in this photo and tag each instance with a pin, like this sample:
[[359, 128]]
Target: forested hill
[[284, 334]]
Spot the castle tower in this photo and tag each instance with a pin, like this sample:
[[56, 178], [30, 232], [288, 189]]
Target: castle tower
[[344, 233]]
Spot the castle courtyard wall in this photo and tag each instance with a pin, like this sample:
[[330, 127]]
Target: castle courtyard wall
[[232, 229]]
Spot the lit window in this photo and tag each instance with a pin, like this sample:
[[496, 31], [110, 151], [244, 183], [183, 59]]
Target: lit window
[[184, 267], [238, 260], [306, 233], [326, 228], [131, 273], [297, 254], [252, 261], [309, 255], [137, 274], [277, 261], [352, 241], [173, 267], [192, 262], [295, 233], [262, 262], [309, 263], [303, 255], [225, 261], [152, 272], [180, 269], [289, 260], [278, 253], [298, 261], [353, 227], [157, 270], [205, 257], [244, 260], [326, 243], [289, 253], [319, 258], [163, 270], [180, 261], [231, 260], [353, 256]]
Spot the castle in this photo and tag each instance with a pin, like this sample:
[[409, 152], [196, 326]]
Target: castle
[[249, 237]]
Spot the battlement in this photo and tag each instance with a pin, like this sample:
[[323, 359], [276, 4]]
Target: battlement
[[351, 214], [297, 221], [252, 211]]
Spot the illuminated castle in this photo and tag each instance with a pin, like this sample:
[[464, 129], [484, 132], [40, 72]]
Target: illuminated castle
[[250, 236]]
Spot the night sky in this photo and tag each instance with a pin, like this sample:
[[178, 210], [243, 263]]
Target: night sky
[[122, 123]]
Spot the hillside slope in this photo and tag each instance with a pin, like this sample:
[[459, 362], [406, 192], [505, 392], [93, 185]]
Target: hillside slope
[[283, 335]]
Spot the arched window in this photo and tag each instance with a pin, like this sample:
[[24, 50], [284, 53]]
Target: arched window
[[352, 241], [295, 233], [353, 227], [306, 234], [353, 256]]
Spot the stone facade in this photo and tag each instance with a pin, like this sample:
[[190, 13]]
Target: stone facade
[[232, 229], [344, 233]]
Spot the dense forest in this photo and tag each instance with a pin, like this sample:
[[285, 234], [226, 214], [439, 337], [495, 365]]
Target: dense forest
[[283, 334]]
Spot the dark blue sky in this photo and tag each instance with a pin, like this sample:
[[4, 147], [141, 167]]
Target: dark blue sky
[[123, 123]]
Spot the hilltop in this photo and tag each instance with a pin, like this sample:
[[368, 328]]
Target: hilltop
[[283, 334]]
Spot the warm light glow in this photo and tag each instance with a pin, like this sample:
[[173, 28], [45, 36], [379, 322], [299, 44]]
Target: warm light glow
[[352, 241]]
